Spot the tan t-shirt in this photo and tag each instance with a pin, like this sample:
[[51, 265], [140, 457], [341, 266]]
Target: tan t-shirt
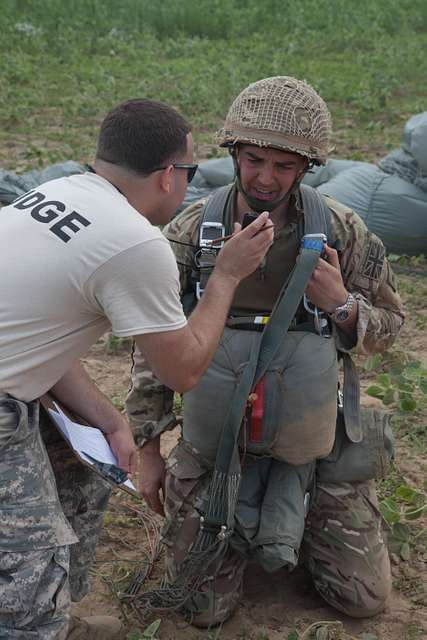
[[76, 260]]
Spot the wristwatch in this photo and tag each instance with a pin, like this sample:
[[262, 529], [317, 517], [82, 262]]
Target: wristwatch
[[342, 313]]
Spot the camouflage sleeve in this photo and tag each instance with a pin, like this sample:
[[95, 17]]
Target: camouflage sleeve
[[149, 404], [367, 274]]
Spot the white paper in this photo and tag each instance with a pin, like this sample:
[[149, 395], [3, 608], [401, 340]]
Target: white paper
[[86, 439]]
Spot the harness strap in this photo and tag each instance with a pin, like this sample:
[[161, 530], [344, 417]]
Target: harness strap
[[227, 459], [351, 400], [319, 218]]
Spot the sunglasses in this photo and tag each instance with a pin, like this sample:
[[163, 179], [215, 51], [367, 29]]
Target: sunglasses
[[191, 169]]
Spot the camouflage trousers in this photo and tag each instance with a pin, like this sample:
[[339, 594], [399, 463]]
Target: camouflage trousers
[[343, 546], [36, 582]]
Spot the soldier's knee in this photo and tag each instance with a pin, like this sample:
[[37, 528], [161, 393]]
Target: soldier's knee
[[358, 597], [371, 605]]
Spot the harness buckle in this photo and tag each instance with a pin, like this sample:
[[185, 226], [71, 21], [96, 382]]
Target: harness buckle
[[320, 319]]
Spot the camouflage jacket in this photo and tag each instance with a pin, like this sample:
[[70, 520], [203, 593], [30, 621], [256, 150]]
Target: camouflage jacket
[[366, 273]]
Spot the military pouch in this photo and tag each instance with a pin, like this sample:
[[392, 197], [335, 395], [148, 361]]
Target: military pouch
[[359, 461]]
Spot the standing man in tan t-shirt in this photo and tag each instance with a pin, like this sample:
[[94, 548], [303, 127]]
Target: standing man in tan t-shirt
[[82, 256]]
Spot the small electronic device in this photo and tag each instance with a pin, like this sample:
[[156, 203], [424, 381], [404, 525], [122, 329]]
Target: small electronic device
[[249, 217], [210, 231], [111, 471], [316, 242]]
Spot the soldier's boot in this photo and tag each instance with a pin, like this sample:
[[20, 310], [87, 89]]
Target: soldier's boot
[[95, 628]]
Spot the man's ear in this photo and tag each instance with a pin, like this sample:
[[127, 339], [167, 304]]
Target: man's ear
[[166, 178], [305, 167]]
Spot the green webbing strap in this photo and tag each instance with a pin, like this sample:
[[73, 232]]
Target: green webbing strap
[[317, 216], [271, 340], [351, 400], [319, 220]]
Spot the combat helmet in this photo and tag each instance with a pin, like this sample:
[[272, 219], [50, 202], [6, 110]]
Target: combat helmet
[[279, 112]]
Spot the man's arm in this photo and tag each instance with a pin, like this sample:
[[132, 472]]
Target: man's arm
[[149, 404], [76, 391], [180, 357], [363, 270]]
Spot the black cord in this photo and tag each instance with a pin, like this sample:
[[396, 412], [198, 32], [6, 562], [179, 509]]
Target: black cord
[[185, 244]]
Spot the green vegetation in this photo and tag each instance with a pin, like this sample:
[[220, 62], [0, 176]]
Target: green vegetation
[[404, 385], [63, 65], [401, 385]]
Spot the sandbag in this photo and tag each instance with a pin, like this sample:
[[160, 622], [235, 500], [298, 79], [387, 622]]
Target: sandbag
[[319, 175], [13, 185], [393, 209]]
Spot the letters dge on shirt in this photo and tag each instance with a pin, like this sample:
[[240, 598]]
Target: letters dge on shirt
[[46, 211]]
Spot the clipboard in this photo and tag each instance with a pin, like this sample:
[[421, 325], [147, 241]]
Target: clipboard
[[88, 444]]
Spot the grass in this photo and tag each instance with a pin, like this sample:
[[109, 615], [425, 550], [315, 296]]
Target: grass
[[62, 66]]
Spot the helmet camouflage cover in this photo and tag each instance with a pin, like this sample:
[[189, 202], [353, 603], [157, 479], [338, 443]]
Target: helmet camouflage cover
[[280, 112]]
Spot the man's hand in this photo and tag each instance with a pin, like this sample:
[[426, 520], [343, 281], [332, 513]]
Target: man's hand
[[244, 252], [123, 447], [153, 473], [179, 358], [79, 394], [326, 288]]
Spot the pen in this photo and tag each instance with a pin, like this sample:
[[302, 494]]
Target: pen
[[111, 471], [225, 238]]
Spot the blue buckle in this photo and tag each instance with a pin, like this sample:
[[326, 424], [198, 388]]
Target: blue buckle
[[314, 243]]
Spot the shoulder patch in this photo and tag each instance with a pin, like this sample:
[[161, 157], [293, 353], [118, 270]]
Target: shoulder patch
[[373, 263]]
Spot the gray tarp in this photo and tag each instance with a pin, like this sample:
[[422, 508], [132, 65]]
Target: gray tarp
[[391, 198], [13, 185]]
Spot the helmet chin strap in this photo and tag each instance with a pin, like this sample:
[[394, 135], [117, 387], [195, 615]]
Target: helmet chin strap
[[256, 204]]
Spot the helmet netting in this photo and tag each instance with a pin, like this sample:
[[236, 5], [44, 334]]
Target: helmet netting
[[281, 112]]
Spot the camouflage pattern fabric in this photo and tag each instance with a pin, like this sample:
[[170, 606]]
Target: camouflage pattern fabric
[[345, 549], [36, 603], [343, 546], [84, 498], [34, 534], [37, 583], [149, 405]]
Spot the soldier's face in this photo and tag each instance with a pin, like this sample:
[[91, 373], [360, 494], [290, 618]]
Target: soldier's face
[[268, 174]]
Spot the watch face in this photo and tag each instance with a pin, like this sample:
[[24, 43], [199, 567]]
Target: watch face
[[343, 315]]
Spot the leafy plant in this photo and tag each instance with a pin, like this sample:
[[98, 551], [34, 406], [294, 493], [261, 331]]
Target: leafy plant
[[404, 385], [147, 634], [405, 505]]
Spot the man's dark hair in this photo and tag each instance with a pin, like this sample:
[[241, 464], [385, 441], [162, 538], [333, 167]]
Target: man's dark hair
[[142, 135]]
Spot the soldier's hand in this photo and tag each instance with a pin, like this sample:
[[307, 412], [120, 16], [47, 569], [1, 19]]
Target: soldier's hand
[[244, 252], [152, 480], [326, 288]]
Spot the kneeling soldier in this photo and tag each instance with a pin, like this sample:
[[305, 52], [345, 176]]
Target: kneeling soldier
[[290, 471]]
